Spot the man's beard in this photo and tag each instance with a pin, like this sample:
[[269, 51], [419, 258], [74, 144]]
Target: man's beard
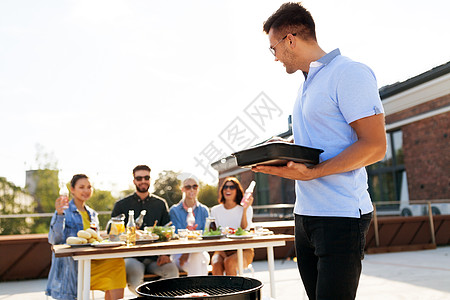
[[142, 189]]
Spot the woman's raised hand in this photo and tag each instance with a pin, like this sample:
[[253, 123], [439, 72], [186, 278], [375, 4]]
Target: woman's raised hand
[[61, 204], [249, 202]]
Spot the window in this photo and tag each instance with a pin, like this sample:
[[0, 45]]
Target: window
[[262, 189], [388, 176]]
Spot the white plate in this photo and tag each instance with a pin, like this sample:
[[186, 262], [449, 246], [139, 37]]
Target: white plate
[[108, 244], [146, 241], [213, 237], [247, 236]]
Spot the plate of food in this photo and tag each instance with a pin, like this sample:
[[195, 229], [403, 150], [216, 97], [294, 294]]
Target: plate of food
[[213, 234], [241, 234], [194, 234], [84, 238], [213, 237], [238, 237], [164, 233], [144, 237], [107, 243]]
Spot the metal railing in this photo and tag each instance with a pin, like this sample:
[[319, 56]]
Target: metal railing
[[280, 210], [428, 204], [283, 210]]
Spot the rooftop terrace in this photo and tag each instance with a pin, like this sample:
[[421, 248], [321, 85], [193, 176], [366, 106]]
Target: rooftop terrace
[[411, 275]]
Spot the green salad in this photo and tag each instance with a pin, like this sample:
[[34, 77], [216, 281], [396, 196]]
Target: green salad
[[165, 233], [241, 231], [212, 232]]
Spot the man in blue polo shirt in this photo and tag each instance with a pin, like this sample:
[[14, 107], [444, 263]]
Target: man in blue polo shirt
[[338, 109]]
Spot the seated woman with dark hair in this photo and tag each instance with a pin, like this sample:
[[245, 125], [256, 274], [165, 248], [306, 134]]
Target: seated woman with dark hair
[[230, 213]]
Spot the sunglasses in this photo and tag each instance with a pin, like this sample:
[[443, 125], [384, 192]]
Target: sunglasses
[[188, 187], [231, 187], [139, 178]]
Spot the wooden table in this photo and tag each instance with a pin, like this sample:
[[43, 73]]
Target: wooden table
[[84, 255]]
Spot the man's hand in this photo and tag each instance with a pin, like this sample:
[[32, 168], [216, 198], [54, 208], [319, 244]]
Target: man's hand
[[184, 258], [368, 149], [294, 171], [162, 260], [192, 227]]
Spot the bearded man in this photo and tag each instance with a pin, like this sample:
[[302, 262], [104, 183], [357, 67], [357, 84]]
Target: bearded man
[[156, 210]]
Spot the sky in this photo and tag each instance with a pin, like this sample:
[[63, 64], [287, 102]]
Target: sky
[[102, 86]]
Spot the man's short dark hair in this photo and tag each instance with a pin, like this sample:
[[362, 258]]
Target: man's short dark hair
[[292, 18], [141, 168]]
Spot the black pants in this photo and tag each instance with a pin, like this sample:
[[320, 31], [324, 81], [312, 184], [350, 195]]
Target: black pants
[[329, 254]]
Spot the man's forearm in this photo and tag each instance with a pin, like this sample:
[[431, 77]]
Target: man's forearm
[[369, 148], [360, 154]]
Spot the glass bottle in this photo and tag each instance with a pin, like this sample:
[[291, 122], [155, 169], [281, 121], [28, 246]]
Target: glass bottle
[[190, 219], [210, 224], [140, 219], [131, 229], [64, 194], [248, 193]]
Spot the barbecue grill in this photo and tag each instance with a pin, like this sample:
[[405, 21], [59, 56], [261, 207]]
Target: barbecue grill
[[216, 287]]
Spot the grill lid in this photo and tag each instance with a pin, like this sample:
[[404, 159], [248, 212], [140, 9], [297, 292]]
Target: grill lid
[[214, 286]]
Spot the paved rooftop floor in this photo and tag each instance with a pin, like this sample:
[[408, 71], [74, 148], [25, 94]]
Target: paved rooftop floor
[[415, 275]]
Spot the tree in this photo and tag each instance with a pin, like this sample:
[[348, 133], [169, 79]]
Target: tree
[[45, 189], [43, 185], [208, 194], [14, 201], [102, 201], [127, 192], [43, 182], [168, 187]]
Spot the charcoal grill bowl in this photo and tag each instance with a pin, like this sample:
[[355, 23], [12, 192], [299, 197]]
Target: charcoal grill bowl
[[277, 154], [217, 287]]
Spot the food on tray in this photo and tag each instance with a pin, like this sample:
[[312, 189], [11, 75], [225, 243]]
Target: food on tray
[[142, 235], [84, 234], [194, 234], [93, 233], [74, 240], [88, 236], [228, 230], [165, 233]]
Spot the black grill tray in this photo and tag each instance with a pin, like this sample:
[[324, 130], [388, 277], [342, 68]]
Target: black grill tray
[[277, 154]]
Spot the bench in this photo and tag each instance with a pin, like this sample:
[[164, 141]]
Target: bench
[[151, 277]]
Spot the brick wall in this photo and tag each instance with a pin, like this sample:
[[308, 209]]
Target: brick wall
[[426, 146], [419, 109]]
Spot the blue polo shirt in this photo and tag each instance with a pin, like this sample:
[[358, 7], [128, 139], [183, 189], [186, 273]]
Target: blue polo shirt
[[336, 92]]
